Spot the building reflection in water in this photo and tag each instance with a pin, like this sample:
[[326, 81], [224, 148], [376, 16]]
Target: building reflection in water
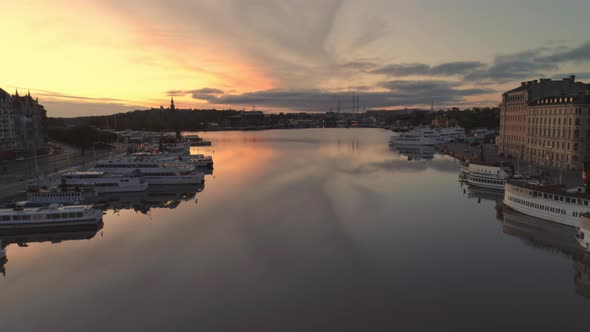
[[551, 236], [415, 152]]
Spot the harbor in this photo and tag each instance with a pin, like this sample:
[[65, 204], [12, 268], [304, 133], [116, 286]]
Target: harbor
[[356, 204]]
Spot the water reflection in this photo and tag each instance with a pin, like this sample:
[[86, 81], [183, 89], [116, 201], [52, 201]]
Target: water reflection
[[553, 237], [415, 152], [168, 197], [55, 236]]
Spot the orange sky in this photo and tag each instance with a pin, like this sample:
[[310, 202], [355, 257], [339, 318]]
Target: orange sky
[[84, 57]]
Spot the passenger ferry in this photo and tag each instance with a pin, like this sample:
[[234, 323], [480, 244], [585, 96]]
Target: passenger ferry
[[488, 176], [51, 196], [21, 218], [451, 134], [155, 172], [103, 182], [420, 136], [199, 160], [553, 203]]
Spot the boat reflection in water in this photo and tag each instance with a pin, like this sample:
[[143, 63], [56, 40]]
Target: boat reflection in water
[[54, 236], [155, 197], [482, 194], [415, 152], [552, 236]]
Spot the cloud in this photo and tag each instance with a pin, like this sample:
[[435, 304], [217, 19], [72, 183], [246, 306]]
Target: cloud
[[398, 93], [577, 54], [201, 94], [504, 68], [421, 69]]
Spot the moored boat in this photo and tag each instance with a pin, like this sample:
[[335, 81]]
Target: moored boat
[[54, 216], [488, 176], [421, 136], [154, 171], [553, 203], [46, 196], [103, 182]]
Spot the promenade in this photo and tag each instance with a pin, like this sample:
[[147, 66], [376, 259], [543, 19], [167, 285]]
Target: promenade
[[15, 176]]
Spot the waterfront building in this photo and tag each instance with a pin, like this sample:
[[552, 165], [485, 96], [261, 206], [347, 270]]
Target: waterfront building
[[7, 133], [547, 122], [30, 122]]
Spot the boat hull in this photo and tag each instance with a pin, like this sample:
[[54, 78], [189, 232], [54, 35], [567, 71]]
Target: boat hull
[[176, 180], [47, 225]]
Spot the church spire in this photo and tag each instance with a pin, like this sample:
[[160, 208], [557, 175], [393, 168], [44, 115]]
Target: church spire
[[172, 107], [16, 94]]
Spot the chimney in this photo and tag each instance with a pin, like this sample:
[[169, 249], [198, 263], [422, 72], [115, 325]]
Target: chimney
[[522, 83], [573, 78]]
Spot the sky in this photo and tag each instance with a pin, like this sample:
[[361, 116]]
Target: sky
[[88, 57]]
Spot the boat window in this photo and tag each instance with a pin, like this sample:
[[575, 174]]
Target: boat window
[[5, 218], [26, 217], [79, 214], [64, 215], [16, 217], [556, 198], [72, 215], [561, 198], [567, 200]]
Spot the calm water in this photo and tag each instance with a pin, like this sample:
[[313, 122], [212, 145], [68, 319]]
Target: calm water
[[303, 230]]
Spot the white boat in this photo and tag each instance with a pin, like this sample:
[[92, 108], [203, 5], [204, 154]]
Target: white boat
[[421, 136], [488, 176], [103, 182], [58, 196], [551, 203], [21, 218], [583, 235], [155, 172], [451, 134], [199, 160]]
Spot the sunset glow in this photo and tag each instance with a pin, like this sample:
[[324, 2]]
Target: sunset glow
[[105, 56]]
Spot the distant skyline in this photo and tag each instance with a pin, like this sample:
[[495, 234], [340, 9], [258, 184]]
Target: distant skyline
[[91, 57]]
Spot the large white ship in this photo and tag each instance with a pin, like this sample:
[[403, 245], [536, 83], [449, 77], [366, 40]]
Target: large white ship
[[553, 203], [421, 136], [21, 218], [155, 172], [103, 183]]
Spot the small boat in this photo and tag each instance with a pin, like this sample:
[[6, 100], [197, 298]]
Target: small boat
[[488, 176], [51, 217]]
